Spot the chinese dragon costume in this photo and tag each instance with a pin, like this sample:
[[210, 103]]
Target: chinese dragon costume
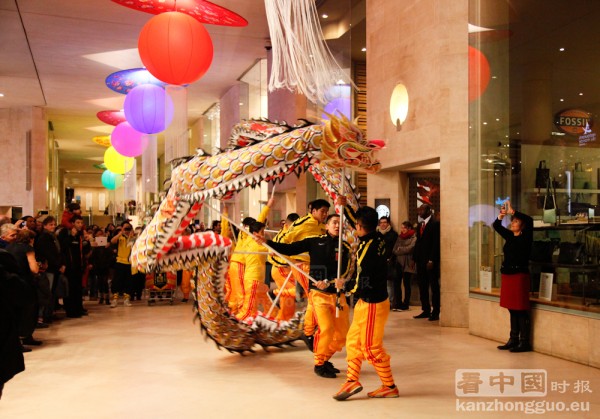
[[258, 150]]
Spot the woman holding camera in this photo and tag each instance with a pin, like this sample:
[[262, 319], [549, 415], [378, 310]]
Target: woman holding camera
[[516, 281]]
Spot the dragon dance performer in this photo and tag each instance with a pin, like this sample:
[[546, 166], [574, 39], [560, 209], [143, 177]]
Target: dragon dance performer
[[289, 220], [330, 336], [234, 284], [365, 337], [308, 226], [255, 290]]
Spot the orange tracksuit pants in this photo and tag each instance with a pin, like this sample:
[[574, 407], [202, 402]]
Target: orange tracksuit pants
[[287, 295], [365, 341], [186, 283], [309, 317], [330, 337], [234, 286], [255, 295]]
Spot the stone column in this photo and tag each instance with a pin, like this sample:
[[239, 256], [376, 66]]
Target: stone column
[[24, 145]]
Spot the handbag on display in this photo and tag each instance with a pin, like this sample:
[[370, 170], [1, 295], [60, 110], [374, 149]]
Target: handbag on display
[[549, 216], [542, 250], [572, 253], [542, 174]]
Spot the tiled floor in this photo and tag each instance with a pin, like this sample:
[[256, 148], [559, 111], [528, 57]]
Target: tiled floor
[[152, 362]]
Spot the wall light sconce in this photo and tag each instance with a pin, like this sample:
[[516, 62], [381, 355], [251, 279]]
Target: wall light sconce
[[399, 105]]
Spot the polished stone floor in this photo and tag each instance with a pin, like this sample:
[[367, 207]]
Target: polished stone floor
[[152, 362]]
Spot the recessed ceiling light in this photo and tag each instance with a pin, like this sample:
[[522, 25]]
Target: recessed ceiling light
[[364, 49], [241, 103], [581, 94], [497, 119], [485, 123], [324, 16], [494, 77], [561, 49], [1, 94], [562, 100]]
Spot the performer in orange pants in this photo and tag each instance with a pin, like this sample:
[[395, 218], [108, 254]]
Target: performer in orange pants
[[365, 337], [287, 295], [330, 335], [254, 275], [308, 226], [186, 285], [234, 283]]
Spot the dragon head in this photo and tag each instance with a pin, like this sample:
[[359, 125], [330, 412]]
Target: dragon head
[[343, 145]]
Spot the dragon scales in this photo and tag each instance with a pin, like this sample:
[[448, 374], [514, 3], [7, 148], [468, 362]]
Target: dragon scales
[[258, 151]]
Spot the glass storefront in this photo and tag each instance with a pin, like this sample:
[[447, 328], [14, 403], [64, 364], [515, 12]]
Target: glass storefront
[[534, 98]]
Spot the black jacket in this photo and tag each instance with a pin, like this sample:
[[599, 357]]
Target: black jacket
[[102, 259], [390, 240], [11, 288], [517, 249], [427, 247], [73, 251], [323, 252], [47, 249], [371, 264]]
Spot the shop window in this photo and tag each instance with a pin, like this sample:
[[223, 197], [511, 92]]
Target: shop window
[[534, 86]]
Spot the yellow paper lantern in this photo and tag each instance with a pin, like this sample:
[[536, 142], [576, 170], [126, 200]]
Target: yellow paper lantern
[[103, 140], [117, 163]]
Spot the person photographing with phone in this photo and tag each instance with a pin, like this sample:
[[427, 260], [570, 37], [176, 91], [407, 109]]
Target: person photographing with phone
[[122, 279], [516, 280]]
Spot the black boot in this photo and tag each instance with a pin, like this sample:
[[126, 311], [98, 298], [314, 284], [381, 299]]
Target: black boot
[[514, 333], [523, 346], [510, 344], [524, 327]]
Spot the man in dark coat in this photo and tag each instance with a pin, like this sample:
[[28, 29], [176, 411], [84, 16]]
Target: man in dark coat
[[72, 248], [427, 259]]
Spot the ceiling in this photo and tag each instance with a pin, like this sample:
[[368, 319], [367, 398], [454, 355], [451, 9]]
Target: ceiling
[[57, 54]]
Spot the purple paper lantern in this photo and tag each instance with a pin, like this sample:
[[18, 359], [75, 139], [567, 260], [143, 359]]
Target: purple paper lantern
[[127, 141], [338, 101], [148, 108]]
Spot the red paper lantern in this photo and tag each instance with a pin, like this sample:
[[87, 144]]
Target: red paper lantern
[[175, 48], [479, 73]]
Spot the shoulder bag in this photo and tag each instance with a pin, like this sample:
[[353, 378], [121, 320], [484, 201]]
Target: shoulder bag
[[549, 216]]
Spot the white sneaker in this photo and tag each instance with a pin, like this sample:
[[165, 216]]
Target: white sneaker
[[127, 303], [113, 302]]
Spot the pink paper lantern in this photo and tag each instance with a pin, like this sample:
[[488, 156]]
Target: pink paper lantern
[[127, 141], [148, 108]]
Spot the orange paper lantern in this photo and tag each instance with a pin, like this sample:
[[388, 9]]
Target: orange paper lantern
[[175, 48], [479, 73]]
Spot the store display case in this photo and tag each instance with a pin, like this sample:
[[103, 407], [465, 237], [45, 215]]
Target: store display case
[[565, 266]]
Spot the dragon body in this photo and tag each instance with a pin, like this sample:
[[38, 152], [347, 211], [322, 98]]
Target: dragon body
[[258, 151]]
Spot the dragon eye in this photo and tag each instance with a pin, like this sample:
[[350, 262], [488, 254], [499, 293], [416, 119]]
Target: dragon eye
[[352, 152]]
